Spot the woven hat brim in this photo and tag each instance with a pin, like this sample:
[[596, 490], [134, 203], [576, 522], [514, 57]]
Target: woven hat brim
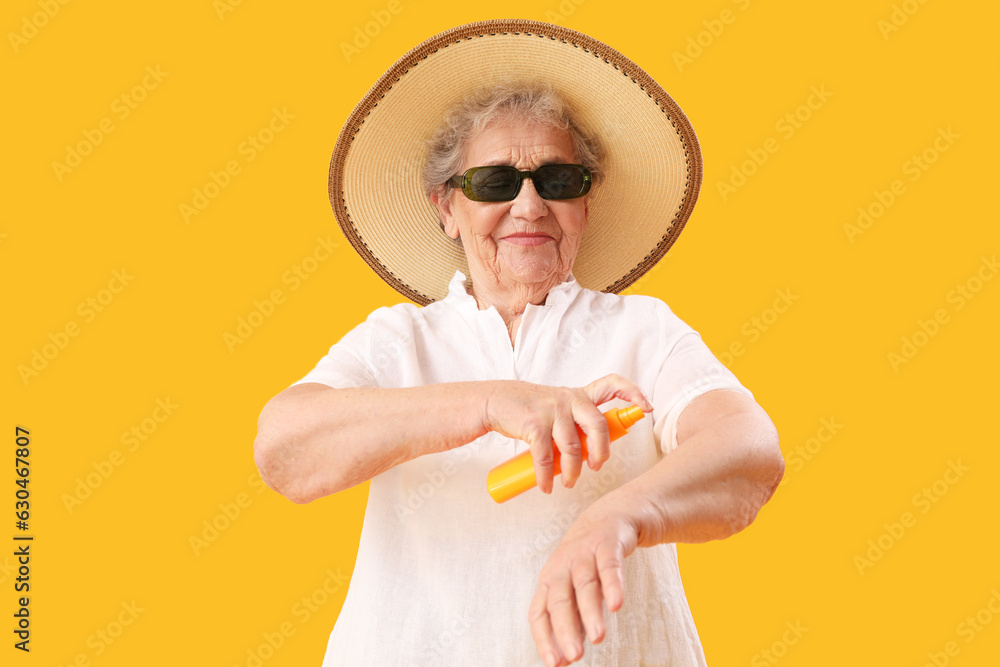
[[653, 160]]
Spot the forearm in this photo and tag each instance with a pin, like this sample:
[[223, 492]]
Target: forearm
[[709, 488], [313, 440]]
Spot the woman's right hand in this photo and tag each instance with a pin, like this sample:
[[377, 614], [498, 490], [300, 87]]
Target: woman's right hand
[[545, 417]]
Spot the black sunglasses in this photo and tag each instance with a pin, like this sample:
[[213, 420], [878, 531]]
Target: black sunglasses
[[502, 183]]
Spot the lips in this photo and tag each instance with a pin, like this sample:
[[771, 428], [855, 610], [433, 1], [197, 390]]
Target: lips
[[527, 239]]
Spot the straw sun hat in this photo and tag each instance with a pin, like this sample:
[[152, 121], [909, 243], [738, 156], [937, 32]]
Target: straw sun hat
[[653, 162]]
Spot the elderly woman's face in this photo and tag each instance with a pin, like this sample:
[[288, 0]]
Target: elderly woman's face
[[526, 241]]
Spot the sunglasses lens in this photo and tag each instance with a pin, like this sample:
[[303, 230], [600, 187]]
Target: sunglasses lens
[[493, 183], [561, 181], [501, 183]]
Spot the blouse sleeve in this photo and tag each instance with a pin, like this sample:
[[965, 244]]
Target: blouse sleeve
[[688, 371], [348, 363]]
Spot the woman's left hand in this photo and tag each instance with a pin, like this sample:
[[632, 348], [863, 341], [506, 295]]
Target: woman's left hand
[[584, 573]]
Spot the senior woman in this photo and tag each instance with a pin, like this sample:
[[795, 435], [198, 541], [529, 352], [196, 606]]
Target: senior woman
[[547, 166]]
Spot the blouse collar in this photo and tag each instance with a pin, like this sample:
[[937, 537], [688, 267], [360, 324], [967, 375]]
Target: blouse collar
[[563, 293]]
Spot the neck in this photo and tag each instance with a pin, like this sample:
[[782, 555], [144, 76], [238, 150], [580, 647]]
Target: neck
[[511, 299]]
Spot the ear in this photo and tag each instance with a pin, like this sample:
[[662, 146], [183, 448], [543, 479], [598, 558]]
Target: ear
[[443, 205]]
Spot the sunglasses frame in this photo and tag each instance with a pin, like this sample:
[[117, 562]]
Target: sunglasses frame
[[464, 182]]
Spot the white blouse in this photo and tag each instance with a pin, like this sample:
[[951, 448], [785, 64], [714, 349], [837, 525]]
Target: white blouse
[[444, 575]]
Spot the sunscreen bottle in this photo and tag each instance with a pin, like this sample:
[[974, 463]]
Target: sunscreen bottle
[[517, 475]]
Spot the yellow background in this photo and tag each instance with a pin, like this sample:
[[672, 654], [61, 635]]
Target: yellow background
[[162, 335]]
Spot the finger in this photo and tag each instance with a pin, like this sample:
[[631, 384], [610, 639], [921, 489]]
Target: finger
[[541, 630], [542, 459], [589, 599], [565, 617], [595, 427], [610, 568], [611, 386], [615, 386], [567, 439]]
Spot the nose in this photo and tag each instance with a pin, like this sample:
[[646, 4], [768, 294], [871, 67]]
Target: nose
[[528, 205]]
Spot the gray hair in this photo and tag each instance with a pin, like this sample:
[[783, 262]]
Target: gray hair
[[528, 103]]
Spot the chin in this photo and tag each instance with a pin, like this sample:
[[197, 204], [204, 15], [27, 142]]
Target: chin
[[532, 275]]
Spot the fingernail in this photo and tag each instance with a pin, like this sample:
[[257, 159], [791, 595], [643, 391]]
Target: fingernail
[[552, 660]]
